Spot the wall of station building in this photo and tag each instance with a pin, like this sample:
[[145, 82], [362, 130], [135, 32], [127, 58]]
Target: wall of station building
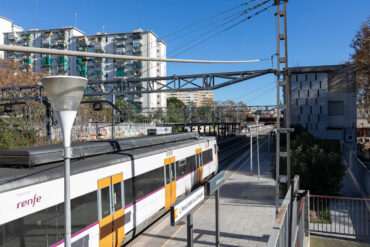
[[324, 102]]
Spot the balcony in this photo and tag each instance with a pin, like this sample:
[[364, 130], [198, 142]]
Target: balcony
[[120, 73], [98, 74], [61, 46], [82, 60], [26, 36], [120, 52], [46, 45], [46, 34], [12, 37], [136, 36], [61, 60], [82, 41], [26, 43], [138, 65], [120, 38], [98, 47], [46, 61], [137, 52], [27, 60], [120, 45], [62, 68], [136, 43]]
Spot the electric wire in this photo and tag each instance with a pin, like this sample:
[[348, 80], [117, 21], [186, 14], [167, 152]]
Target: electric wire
[[233, 25]]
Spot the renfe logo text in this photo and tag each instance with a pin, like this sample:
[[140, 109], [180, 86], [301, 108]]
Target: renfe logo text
[[29, 202]]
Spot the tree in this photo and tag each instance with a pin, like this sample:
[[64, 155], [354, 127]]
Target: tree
[[361, 59], [175, 110], [317, 164]]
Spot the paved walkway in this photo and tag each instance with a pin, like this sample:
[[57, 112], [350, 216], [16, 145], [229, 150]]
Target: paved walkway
[[247, 212]]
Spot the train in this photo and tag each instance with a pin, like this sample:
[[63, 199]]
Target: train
[[118, 188]]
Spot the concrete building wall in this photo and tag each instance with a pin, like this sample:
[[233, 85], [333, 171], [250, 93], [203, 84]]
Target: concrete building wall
[[323, 99], [6, 25]]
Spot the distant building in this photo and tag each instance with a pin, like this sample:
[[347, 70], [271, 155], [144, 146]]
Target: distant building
[[6, 25], [59, 38], [137, 43], [323, 99], [195, 98]]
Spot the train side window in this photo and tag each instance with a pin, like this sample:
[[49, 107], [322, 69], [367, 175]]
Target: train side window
[[148, 182], [180, 168], [167, 172], [207, 156], [105, 202], [215, 149], [128, 191], [190, 164], [117, 196]]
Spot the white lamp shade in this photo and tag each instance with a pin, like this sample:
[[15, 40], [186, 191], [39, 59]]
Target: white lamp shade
[[64, 92]]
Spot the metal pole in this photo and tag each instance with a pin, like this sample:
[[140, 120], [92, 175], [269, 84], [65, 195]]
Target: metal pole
[[67, 198], [190, 230], [251, 149], [258, 157], [217, 218], [291, 211], [113, 116]]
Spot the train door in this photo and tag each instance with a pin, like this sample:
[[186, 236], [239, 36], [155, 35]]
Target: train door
[[170, 182], [199, 165], [111, 211]]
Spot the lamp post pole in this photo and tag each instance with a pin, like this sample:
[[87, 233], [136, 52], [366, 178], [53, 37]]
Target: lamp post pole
[[64, 94]]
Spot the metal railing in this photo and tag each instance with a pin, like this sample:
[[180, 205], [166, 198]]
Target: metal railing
[[291, 225], [342, 216]]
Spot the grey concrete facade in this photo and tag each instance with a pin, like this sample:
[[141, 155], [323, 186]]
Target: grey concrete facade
[[323, 100]]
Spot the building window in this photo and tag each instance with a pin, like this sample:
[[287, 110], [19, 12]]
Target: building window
[[335, 108], [316, 101], [299, 118], [299, 94], [315, 76], [318, 118], [311, 109], [106, 39], [320, 109], [306, 77], [316, 127], [320, 84], [309, 118], [301, 110], [300, 85], [310, 84], [296, 102], [306, 101], [296, 77], [308, 93]]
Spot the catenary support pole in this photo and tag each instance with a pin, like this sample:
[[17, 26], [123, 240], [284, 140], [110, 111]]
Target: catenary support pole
[[251, 149], [217, 218], [190, 230]]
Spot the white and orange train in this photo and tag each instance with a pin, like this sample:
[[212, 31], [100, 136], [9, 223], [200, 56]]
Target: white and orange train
[[118, 188]]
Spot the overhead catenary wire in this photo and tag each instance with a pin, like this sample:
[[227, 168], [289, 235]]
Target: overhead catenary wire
[[195, 24], [233, 25]]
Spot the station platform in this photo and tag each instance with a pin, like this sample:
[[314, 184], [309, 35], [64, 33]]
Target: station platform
[[247, 211]]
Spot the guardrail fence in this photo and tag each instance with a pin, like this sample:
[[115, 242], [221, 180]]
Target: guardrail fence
[[292, 223], [342, 216]]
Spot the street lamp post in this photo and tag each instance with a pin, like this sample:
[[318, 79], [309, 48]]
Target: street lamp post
[[64, 94]]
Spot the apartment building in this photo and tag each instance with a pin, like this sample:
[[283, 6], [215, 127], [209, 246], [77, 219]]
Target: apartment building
[[195, 98], [323, 99], [60, 38], [136, 43], [7, 25]]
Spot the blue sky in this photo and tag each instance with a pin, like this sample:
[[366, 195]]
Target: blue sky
[[319, 32]]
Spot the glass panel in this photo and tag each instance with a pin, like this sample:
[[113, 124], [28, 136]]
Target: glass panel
[[105, 202], [91, 208], [117, 193], [128, 191], [173, 176], [168, 179], [78, 213]]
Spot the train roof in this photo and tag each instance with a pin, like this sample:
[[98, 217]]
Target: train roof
[[30, 157], [13, 177]]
